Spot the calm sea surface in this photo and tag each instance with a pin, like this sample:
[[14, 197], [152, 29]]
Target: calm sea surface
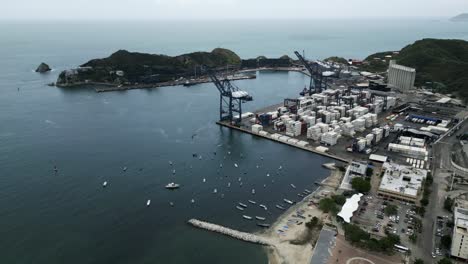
[[68, 217]]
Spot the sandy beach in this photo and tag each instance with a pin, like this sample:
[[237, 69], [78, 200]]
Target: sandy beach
[[290, 227]]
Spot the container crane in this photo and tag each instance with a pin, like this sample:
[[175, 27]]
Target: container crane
[[316, 76], [230, 99]]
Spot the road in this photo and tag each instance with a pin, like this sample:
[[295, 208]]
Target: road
[[441, 168]]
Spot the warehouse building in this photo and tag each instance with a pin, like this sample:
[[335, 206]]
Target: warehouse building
[[400, 76], [459, 247], [402, 183]]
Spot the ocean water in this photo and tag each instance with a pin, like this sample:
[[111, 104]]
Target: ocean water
[[67, 217]]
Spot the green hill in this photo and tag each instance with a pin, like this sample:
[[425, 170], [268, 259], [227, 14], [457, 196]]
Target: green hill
[[436, 60], [144, 67]]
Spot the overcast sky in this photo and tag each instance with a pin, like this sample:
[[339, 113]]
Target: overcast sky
[[229, 9]]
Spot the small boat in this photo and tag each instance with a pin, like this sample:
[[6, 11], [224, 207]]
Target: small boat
[[252, 202], [258, 166], [300, 195], [260, 218], [280, 168], [263, 225], [124, 168], [172, 186], [288, 201], [200, 157], [307, 191], [268, 174], [292, 185], [263, 206], [261, 158], [280, 207], [215, 190], [240, 179], [240, 208], [240, 184], [173, 171], [148, 203], [229, 152], [222, 196], [229, 184], [204, 180], [171, 204], [235, 165], [170, 163], [264, 185], [247, 217], [243, 205], [253, 191], [220, 165], [104, 184], [192, 201]]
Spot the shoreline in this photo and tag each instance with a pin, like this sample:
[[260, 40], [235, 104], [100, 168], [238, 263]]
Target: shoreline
[[282, 251]]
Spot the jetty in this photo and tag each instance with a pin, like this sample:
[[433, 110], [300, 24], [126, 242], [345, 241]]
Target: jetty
[[248, 237]]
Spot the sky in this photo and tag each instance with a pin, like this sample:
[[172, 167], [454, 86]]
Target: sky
[[226, 9]]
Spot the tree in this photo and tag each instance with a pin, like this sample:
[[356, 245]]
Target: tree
[[413, 238], [424, 201], [446, 241], [448, 203], [328, 205], [361, 185], [369, 171], [339, 199], [444, 261], [355, 234], [313, 223], [391, 209], [418, 261]]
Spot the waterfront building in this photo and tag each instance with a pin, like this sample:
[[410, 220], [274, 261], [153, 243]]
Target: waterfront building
[[400, 76]]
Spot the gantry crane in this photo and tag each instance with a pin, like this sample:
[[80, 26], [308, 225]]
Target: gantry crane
[[316, 76], [230, 99]]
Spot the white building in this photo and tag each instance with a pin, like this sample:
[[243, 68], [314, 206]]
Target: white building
[[400, 76], [400, 182], [459, 247], [350, 206], [354, 169]]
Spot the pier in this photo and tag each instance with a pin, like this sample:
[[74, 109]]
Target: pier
[[230, 232], [306, 148]]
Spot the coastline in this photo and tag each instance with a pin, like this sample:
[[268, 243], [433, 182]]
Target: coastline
[[283, 251]]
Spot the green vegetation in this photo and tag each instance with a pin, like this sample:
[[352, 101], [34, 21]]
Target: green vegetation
[[448, 204], [369, 171], [361, 238], [413, 238], [418, 261], [337, 60], [314, 223], [361, 185], [445, 261], [391, 209], [328, 205], [446, 241], [147, 68], [339, 199]]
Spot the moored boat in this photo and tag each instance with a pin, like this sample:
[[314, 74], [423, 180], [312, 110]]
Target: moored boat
[[172, 186], [252, 202], [247, 217], [260, 218], [279, 207], [263, 225], [240, 208], [243, 205], [288, 201]]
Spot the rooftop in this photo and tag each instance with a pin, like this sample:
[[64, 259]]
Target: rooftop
[[461, 220], [351, 205], [402, 179]]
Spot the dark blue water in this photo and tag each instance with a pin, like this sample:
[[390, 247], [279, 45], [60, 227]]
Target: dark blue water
[[69, 218]]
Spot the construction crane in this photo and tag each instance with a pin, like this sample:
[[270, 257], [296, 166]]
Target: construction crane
[[316, 76], [230, 99]]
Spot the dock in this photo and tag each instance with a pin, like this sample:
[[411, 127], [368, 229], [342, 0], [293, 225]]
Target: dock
[[306, 148], [248, 237]]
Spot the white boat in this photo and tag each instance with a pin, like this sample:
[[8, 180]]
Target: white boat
[[170, 162], [240, 179], [268, 174], [229, 152], [258, 166], [229, 184], [264, 185], [172, 185], [288, 201], [307, 191], [260, 218], [220, 165], [279, 207], [173, 171], [261, 158], [124, 168], [253, 191], [192, 201], [263, 206], [171, 204], [204, 180], [243, 205], [252, 202], [240, 184], [240, 208], [292, 185], [280, 168], [148, 203], [247, 217], [104, 184], [235, 165], [215, 190]]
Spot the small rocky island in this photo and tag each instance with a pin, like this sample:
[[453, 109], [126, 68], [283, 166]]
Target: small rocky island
[[43, 68], [134, 69]]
